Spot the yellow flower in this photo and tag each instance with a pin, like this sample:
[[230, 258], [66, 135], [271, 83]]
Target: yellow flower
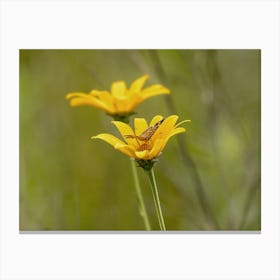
[[134, 143], [121, 100]]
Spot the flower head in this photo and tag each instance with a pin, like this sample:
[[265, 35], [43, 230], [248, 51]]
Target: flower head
[[120, 101], [145, 142]]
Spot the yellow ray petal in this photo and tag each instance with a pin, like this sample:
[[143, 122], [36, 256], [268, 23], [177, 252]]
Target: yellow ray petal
[[126, 149], [138, 84], [157, 148], [176, 131], [162, 142], [142, 154], [97, 93], [156, 119], [140, 124], [118, 89], [153, 91], [122, 105], [105, 97], [178, 124], [171, 120], [76, 94], [132, 101], [102, 95], [85, 101], [166, 127], [109, 138], [125, 130]]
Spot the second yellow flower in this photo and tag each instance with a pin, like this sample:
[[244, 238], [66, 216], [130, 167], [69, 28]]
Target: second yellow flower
[[121, 101]]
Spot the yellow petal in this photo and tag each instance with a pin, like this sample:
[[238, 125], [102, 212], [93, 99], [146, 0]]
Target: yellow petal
[[125, 130], [77, 94], [153, 91], [176, 131], [122, 105], [142, 154], [156, 119], [85, 101], [166, 127], [109, 138], [140, 124], [102, 95], [138, 84], [126, 149], [157, 148], [105, 97], [118, 89], [178, 124], [162, 142], [129, 103], [97, 93]]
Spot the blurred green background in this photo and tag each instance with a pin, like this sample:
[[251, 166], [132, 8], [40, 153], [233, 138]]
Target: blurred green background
[[208, 177]]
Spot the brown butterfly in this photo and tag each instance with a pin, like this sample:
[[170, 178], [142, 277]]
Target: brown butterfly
[[147, 134]]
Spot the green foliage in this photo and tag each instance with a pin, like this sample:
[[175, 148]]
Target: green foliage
[[208, 178]]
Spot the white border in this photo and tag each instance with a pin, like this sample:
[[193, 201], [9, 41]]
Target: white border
[[154, 24]]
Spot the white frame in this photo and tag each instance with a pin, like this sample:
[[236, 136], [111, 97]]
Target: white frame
[[139, 24]]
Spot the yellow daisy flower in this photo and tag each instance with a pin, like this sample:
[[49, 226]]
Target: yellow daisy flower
[[121, 101], [144, 143]]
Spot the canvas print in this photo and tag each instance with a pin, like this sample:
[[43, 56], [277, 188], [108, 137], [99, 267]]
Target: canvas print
[[140, 140]]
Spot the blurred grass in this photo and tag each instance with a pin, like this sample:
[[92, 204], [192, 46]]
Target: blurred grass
[[208, 179]]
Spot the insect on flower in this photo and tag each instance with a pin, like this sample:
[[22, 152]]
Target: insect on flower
[[151, 146], [146, 135]]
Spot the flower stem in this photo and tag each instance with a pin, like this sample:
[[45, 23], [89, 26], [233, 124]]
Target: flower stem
[[142, 208], [156, 198]]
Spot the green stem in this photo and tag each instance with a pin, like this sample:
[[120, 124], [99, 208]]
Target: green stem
[[142, 208], [156, 198]]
